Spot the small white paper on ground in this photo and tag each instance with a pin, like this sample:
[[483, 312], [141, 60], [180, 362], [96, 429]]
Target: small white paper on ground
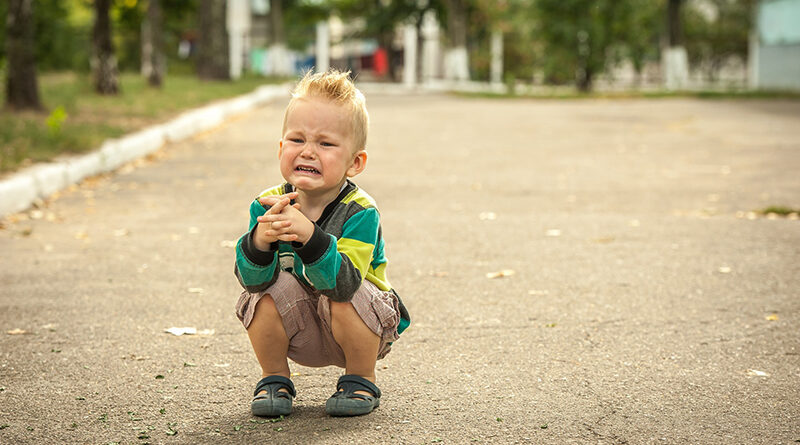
[[181, 331]]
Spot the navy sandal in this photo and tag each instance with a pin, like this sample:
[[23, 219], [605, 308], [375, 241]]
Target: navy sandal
[[273, 402], [347, 403]]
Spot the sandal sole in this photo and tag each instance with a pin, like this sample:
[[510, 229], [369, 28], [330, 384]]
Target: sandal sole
[[271, 407], [338, 407]]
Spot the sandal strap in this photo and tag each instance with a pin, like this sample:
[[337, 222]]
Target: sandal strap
[[350, 383], [272, 384]]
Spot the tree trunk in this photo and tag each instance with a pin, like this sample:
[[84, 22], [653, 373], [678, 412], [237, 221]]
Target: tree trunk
[[153, 44], [278, 37], [212, 48], [104, 63], [22, 90], [457, 57], [675, 33]]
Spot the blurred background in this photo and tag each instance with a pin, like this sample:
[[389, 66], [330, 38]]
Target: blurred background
[[64, 61]]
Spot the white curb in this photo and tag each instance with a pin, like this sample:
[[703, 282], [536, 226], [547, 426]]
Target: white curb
[[22, 189]]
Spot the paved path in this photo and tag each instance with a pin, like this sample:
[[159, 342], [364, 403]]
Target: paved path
[[643, 307]]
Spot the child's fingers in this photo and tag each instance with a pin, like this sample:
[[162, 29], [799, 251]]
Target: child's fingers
[[272, 199], [271, 217], [287, 237], [278, 206]]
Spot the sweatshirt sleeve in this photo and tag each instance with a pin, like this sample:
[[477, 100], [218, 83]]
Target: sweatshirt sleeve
[[336, 267], [255, 269]]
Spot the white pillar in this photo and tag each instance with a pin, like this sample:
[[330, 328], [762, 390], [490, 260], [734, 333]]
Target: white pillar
[[752, 60], [238, 18], [497, 57], [323, 47], [676, 68], [430, 47], [409, 55], [456, 64]]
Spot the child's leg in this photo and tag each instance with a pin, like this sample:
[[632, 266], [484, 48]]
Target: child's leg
[[358, 342], [269, 339]]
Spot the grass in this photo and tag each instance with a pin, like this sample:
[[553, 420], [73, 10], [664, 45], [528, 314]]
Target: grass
[[779, 210], [77, 120], [561, 93]]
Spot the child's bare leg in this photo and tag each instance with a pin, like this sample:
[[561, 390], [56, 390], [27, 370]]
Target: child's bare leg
[[269, 339], [358, 342]]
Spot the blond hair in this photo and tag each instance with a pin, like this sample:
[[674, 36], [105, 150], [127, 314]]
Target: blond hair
[[335, 86]]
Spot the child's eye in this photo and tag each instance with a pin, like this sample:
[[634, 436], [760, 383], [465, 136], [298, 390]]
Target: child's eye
[[326, 144], [296, 140]]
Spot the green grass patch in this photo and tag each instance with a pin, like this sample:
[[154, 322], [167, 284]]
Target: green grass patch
[[779, 210], [77, 120]]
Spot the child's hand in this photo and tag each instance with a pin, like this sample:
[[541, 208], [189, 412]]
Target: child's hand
[[271, 200], [268, 231], [289, 223]]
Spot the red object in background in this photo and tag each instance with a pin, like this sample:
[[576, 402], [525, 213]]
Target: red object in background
[[380, 61]]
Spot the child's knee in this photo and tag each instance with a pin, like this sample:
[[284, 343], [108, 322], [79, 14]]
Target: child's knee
[[266, 309]]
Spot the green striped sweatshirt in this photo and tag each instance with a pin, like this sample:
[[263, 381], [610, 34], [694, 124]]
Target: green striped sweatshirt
[[347, 247]]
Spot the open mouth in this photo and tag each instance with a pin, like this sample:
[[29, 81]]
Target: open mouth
[[305, 169]]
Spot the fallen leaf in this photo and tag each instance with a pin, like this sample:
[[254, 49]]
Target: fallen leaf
[[724, 269], [772, 317], [500, 273], [50, 327], [222, 365], [16, 332], [756, 373], [295, 374], [553, 232]]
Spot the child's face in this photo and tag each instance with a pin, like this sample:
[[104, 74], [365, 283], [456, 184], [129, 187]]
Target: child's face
[[316, 152]]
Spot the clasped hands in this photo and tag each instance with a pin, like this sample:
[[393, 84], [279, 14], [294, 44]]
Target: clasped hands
[[282, 222]]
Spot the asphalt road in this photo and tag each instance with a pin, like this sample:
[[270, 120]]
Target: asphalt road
[[642, 302]]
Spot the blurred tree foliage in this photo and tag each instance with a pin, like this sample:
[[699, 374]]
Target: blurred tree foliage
[[716, 31], [63, 30], [563, 41]]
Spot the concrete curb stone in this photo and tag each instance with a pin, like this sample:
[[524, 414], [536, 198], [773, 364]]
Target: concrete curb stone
[[19, 191]]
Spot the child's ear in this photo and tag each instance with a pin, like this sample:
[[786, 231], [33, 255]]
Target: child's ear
[[280, 148], [358, 165]]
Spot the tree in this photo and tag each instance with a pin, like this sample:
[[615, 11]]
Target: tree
[[104, 62], [153, 44], [22, 90], [580, 36], [717, 33], [456, 58], [212, 58]]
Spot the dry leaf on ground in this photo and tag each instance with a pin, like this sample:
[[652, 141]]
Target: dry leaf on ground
[[16, 332], [772, 317], [756, 373], [501, 273]]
